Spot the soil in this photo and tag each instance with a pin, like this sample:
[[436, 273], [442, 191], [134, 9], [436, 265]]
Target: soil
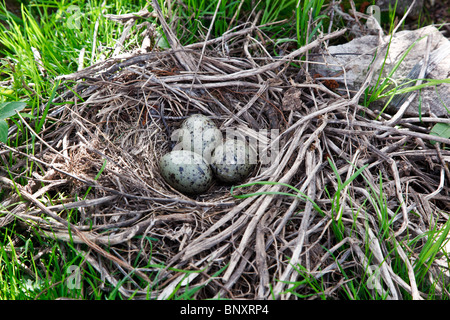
[[439, 13]]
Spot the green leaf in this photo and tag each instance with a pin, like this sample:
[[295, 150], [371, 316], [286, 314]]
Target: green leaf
[[440, 130], [3, 131], [8, 109]]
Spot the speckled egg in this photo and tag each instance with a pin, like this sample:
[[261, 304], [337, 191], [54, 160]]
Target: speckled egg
[[199, 134], [232, 161], [186, 171]]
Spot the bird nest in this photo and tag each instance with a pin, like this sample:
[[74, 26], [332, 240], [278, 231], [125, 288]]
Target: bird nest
[[336, 189]]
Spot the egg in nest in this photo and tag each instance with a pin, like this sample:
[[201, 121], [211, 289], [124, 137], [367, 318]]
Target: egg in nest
[[232, 161], [199, 134], [186, 171]]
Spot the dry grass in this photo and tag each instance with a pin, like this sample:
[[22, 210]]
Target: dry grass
[[127, 111]]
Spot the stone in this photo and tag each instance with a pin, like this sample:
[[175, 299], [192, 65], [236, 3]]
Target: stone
[[348, 63]]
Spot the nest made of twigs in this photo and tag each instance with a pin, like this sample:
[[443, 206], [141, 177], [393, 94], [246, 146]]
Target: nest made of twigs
[[110, 141]]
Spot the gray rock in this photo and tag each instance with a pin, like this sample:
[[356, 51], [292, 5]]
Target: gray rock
[[349, 64]]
